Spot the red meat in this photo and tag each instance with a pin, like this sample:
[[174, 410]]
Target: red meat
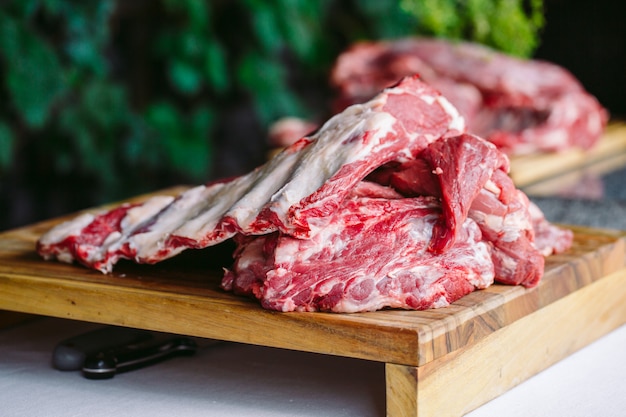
[[522, 106]]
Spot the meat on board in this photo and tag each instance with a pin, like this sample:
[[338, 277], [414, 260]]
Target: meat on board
[[388, 204]]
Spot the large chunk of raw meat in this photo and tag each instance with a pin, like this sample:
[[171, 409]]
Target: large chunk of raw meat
[[520, 105], [470, 176], [442, 225], [388, 204], [371, 255], [294, 192]]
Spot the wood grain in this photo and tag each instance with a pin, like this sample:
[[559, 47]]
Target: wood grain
[[183, 296], [402, 390], [457, 383]]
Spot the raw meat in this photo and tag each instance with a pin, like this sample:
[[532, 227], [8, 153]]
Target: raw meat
[[441, 226], [549, 239], [469, 175], [388, 204], [522, 106], [294, 192], [372, 255]]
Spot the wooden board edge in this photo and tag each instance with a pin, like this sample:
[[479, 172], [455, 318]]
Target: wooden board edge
[[401, 390], [501, 305], [499, 362], [413, 344], [198, 316]]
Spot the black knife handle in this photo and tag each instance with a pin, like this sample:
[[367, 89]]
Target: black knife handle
[[105, 364], [70, 354]]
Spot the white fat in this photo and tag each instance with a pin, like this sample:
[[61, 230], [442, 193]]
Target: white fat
[[425, 275], [290, 250], [458, 122], [297, 250], [515, 224], [66, 257], [181, 212], [265, 184], [111, 238], [252, 254], [91, 253], [509, 227], [493, 222], [422, 227], [492, 187], [428, 99], [66, 229], [202, 210], [594, 123], [333, 149], [134, 218], [140, 213], [440, 302], [535, 212], [482, 256], [507, 263]]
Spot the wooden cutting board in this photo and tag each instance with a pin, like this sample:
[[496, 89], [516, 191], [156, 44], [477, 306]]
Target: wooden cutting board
[[182, 295]]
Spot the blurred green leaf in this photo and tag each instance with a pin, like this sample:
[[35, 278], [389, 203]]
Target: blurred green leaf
[[216, 67], [266, 26], [105, 104], [201, 121], [185, 77], [191, 149], [163, 117], [479, 12], [512, 29], [197, 11], [511, 26], [7, 142], [265, 79], [440, 17], [27, 8], [83, 54], [390, 22], [298, 24], [34, 79], [185, 140], [191, 44]]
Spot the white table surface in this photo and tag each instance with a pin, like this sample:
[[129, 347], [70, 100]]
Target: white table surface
[[228, 379]]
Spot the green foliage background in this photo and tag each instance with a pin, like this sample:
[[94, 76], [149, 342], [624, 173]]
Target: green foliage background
[[103, 99]]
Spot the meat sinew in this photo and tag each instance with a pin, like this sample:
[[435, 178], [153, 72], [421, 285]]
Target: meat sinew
[[388, 204]]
